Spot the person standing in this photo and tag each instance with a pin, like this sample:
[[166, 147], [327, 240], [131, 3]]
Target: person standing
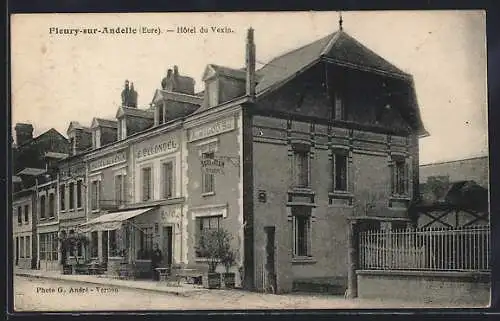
[[155, 262]]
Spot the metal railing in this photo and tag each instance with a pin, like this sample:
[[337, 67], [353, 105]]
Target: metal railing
[[464, 249]]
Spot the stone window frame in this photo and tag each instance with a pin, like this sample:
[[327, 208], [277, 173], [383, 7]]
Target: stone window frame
[[207, 211], [405, 159], [209, 145], [95, 178], [142, 167], [310, 219], [299, 146], [123, 173], [172, 159]]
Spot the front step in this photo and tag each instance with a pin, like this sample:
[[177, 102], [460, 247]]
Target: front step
[[333, 286]]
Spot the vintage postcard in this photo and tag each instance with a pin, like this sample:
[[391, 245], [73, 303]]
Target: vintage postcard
[[266, 160]]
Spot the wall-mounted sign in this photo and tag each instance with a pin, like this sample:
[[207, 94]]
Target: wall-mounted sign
[[107, 161], [212, 165], [168, 145], [218, 127]]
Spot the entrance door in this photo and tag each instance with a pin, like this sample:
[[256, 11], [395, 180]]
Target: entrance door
[[167, 245], [17, 250], [104, 246], [270, 282]]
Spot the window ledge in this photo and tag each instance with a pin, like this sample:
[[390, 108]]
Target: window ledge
[[202, 260], [304, 260], [79, 208], [95, 211], [343, 194], [208, 194], [401, 198], [302, 189], [341, 206]]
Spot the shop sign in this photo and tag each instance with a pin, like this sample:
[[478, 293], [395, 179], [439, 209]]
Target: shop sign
[[168, 145], [108, 161], [216, 128], [212, 166]]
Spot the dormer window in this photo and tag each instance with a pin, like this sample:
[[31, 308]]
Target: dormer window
[[213, 92], [339, 106], [161, 113], [123, 128], [96, 138]]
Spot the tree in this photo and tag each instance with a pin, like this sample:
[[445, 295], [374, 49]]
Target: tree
[[215, 245]]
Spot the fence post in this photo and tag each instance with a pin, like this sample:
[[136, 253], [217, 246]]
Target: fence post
[[352, 282]]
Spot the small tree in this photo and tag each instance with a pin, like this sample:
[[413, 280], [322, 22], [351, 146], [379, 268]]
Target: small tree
[[73, 241], [215, 246], [229, 259]]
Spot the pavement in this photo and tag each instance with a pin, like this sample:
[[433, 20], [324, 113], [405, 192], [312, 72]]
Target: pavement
[[185, 290]]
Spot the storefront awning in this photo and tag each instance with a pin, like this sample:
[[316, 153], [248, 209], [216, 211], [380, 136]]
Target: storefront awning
[[111, 221]]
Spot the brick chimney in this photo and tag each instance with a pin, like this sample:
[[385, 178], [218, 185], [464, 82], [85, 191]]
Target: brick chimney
[[24, 133], [250, 64]]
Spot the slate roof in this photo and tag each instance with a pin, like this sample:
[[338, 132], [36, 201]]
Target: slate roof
[[338, 47], [106, 123], [229, 72], [136, 112]]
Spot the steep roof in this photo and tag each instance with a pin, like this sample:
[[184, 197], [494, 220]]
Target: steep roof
[[104, 123], [338, 47], [224, 71], [51, 131], [136, 112]]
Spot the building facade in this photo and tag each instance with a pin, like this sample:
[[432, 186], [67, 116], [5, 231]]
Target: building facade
[[290, 159]]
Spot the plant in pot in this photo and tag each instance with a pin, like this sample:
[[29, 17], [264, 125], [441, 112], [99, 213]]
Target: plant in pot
[[213, 246], [228, 261], [72, 242]]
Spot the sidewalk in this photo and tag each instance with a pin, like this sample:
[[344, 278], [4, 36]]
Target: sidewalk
[[185, 290]]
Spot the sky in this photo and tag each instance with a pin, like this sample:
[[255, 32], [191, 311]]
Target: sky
[[58, 78]]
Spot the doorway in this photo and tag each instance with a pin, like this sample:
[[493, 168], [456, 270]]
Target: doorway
[[167, 243], [104, 246], [270, 266]]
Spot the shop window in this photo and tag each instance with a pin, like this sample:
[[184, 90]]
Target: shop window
[[400, 177], [21, 246], [79, 194], [19, 215], [28, 247], [301, 232], [168, 179], [42, 206], [145, 243], [208, 179], [301, 164], [55, 244], [62, 197], [71, 195], [146, 184], [94, 243], [52, 205], [113, 244], [204, 224], [48, 246], [339, 162], [72, 247], [26, 213], [95, 194]]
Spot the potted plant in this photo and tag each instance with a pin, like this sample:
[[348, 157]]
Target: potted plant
[[213, 246], [228, 261], [71, 242]]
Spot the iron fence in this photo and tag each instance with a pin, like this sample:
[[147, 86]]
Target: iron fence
[[463, 249]]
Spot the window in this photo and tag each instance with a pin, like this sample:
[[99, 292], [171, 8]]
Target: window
[[208, 184], [71, 195], [94, 244], [95, 195], [17, 248], [339, 106], [21, 247], [168, 179], [19, 215], [62, 196], [52, 205], [146, 184], [28, 247], [399, 177], [26, 213], [340, 172], [206, 223], [79, 194], [113, 244], [42, 206], [301, 166], [301, 232], [72, 248], [48, 246], [213, 94], [119, 189], [145, 243], [160, 113]]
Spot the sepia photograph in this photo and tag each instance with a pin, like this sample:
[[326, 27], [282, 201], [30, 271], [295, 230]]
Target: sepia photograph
[[249, 160]]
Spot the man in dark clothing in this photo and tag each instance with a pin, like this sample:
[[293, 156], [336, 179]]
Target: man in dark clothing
[[155, 262]]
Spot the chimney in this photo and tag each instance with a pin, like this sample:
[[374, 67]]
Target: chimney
[[169, 73], [24, 133], [250, 64], [176, 71]]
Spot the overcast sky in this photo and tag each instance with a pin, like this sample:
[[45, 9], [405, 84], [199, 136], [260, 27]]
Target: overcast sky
[[60, 78]]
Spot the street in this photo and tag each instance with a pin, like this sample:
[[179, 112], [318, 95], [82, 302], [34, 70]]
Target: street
[[38, 294]]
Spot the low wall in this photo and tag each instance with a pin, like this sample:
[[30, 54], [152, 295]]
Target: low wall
[[448, 288]]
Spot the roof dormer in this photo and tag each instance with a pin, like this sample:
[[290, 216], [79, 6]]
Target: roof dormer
[[104, 131]]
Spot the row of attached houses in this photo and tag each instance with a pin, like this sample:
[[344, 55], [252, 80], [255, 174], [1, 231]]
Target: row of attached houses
[[287, 158]]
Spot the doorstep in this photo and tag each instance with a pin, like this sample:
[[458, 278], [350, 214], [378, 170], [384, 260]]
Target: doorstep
[[182, 290]]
